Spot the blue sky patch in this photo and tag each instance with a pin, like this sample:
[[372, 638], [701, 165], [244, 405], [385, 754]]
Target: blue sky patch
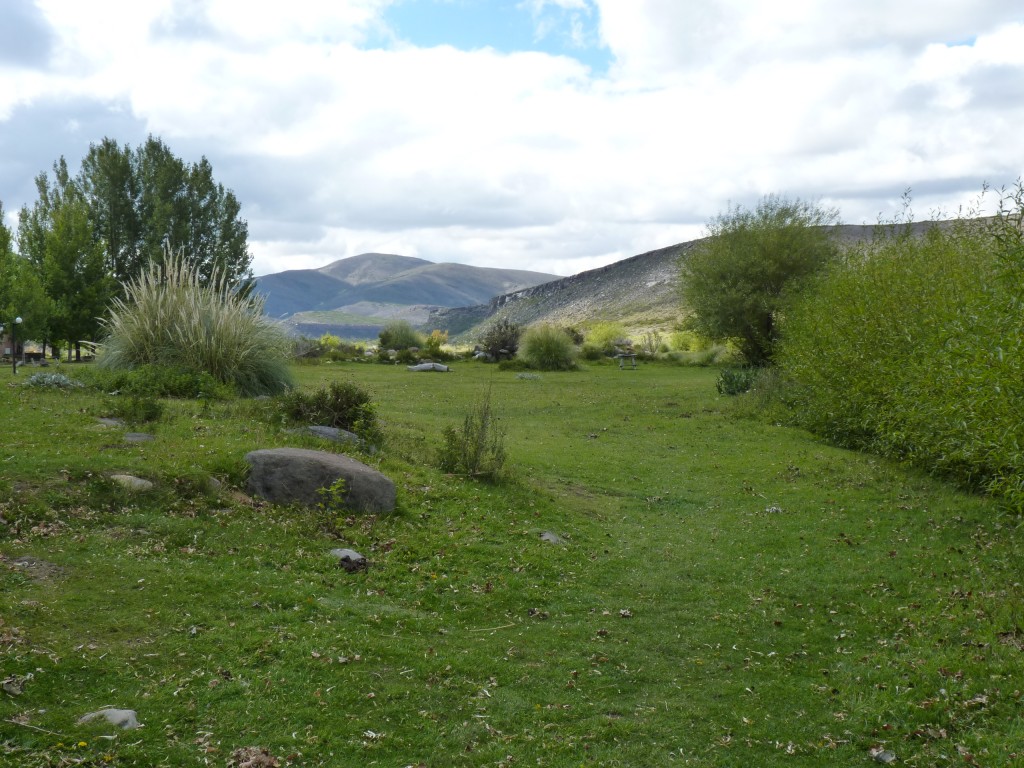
[[504, 25]]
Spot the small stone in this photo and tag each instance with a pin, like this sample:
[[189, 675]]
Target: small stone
[[127, 719], [883, 756], [15, 684], [132, 483], [350, 560], [551, 538]]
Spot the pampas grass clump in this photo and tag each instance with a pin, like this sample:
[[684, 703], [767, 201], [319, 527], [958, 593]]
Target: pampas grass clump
[[170, 316], [548, 348]]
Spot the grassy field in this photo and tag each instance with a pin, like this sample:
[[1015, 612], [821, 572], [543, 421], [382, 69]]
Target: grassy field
[[728, 593]]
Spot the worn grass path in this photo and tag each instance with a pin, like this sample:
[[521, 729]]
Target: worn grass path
[[730, 592]]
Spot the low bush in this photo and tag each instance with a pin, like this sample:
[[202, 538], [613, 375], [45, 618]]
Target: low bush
[[433, 347], [341, 404], [650, 344], [736, 381], [400, 335], [606, 336], [477, 449], [135, 409], [52, 381], [501, 339], [327, 347], [548, 348], [154, 380]]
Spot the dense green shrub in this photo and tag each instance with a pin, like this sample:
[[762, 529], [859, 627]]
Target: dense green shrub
[[736, 381], [501, 339], [548, 348], [913, 347], [154, 380], [136, 409], [327, 347], [477, 449], [341, 404], [433, 347], [171, 316], [606, 336], [399, 334]]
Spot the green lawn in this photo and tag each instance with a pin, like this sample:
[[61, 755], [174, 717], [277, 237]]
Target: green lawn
[[730, 593]]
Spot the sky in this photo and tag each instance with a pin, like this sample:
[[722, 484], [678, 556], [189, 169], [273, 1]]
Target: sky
[[548, 135]]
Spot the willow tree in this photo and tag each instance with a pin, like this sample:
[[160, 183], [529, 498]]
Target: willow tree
[[737, 281]]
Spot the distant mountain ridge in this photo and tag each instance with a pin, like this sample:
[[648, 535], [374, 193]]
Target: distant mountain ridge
[[354, 297]]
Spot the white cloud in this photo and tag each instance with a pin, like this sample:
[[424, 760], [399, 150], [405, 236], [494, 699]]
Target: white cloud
[[529, 160]]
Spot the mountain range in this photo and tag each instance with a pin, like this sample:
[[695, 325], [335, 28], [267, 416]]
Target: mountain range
[[354, 297]]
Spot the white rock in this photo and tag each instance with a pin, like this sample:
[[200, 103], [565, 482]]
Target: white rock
[[122, 718], [132, 483]]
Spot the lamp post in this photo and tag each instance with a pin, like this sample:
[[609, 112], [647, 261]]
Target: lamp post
[[14, 346]]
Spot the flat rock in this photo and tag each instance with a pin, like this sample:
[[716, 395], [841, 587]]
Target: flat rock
[[108, 421], [132, 483], [334, 434], [138, 437], [428, 367], [350, 560], [301, 476], [122, 718], [551, 538]]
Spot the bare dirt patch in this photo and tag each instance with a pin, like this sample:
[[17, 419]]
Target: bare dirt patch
[[32, 567]]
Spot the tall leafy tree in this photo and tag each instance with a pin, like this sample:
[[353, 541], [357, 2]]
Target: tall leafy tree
[[144, 200], [57, 238], [74, 274], [111, 187], [737, 281], [21, 292]]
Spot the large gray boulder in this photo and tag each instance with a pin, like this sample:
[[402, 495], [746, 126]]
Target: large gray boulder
[[300, 476]]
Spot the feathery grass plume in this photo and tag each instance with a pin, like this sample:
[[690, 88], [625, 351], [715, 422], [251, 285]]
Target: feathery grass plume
[[170, 316]]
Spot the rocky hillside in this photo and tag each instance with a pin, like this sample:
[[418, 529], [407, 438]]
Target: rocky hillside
[[641, 292]]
